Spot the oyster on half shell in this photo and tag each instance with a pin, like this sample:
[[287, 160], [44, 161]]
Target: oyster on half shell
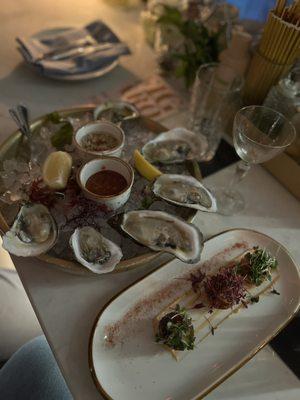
[[94, 251], [175, 146], [33, 232], [161, 231], [116, 111], [184, 190]]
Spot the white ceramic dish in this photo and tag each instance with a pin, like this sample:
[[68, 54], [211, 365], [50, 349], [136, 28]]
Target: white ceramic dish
[[141, 369], [97, 127], [107, 163]]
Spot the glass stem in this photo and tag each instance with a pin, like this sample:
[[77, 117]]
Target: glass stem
[[241, 171]]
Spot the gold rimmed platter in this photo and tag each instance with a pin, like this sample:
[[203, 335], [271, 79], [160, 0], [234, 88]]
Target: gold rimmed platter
[[123, 341], [137, 130]]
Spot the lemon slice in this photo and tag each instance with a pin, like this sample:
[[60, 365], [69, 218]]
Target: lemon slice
[[146, 169], [57, 169]]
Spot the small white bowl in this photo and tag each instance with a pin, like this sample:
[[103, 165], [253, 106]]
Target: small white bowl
[[112, 202], [98, 127]]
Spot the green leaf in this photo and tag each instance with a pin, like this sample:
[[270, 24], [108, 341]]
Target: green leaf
[[147, 202], [54, 117], [62, 136], [171, 16], [180, 70], [64, 132], [257, 266], [178, 332], [200, 45]]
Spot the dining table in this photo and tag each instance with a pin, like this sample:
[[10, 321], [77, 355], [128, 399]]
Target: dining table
[[67, 304]]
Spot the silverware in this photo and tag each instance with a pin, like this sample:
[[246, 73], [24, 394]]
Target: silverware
[[20, 115], [74, 52]]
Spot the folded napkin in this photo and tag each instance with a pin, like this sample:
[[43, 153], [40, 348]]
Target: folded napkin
[[73, 51]]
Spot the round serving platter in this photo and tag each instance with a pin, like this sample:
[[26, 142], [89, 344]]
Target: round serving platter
[[8, 150]]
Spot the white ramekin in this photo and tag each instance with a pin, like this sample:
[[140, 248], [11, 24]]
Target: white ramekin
[[106, 163], [96, 127]]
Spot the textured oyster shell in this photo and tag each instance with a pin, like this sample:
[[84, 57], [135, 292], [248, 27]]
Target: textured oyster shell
[[186, 191], [94, 251], [175, 146], [34, 232], [161, 231], [116, 111]]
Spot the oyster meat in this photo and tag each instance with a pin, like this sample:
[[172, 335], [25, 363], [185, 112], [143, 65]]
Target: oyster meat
[[161, 231], [94, 251], [185, 191], [34, 232], [175, 146], [116, 111]]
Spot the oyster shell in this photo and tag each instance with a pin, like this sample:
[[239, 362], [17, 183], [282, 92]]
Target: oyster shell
[[185, 191], [175, 146], [116, 111], [161, 231], [94, 251], [34, 232]]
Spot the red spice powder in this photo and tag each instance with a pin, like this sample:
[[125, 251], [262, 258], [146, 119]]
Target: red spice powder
[[152, 305]]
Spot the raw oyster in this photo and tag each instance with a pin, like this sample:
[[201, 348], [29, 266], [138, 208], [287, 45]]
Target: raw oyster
[[185, 191], [161, 231], [34, 232], [94, 251], [116, 111], [175, 146]]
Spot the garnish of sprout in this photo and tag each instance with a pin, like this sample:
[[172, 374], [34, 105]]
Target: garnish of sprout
[[176, 330], [257, 266]]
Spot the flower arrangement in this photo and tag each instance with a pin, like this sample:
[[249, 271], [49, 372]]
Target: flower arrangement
[[184, 35]]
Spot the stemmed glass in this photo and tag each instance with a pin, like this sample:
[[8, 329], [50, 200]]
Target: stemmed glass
[[259, 134]]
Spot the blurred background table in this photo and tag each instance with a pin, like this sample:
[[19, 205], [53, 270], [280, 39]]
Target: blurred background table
[[66, 305]]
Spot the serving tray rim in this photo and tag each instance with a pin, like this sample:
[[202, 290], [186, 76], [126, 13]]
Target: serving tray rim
[[69, 265]]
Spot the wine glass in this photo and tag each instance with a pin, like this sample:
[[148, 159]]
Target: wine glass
[[259, 134]]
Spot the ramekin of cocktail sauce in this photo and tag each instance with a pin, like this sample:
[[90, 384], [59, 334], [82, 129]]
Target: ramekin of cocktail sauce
[[106, 180]]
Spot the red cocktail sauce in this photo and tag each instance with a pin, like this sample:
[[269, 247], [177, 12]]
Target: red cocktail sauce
[[106, 183]]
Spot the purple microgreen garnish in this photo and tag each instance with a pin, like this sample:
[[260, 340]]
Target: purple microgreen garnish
[[225, 289]]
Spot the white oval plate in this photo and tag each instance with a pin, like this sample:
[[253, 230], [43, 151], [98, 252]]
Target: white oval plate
[[141, 369]]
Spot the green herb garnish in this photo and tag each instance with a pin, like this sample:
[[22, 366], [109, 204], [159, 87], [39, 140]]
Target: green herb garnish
[[64, 132], [176, 330], [148, 197], [200, 45], [147, 202], [257, 266], [53, 117]]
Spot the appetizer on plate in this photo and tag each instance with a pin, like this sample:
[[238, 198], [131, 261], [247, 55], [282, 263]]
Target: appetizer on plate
[[228, 298], [212, 298], [176, 330]]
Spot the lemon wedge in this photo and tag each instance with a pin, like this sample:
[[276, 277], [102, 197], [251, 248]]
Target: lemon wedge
[[57, 169], [146, 169]]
